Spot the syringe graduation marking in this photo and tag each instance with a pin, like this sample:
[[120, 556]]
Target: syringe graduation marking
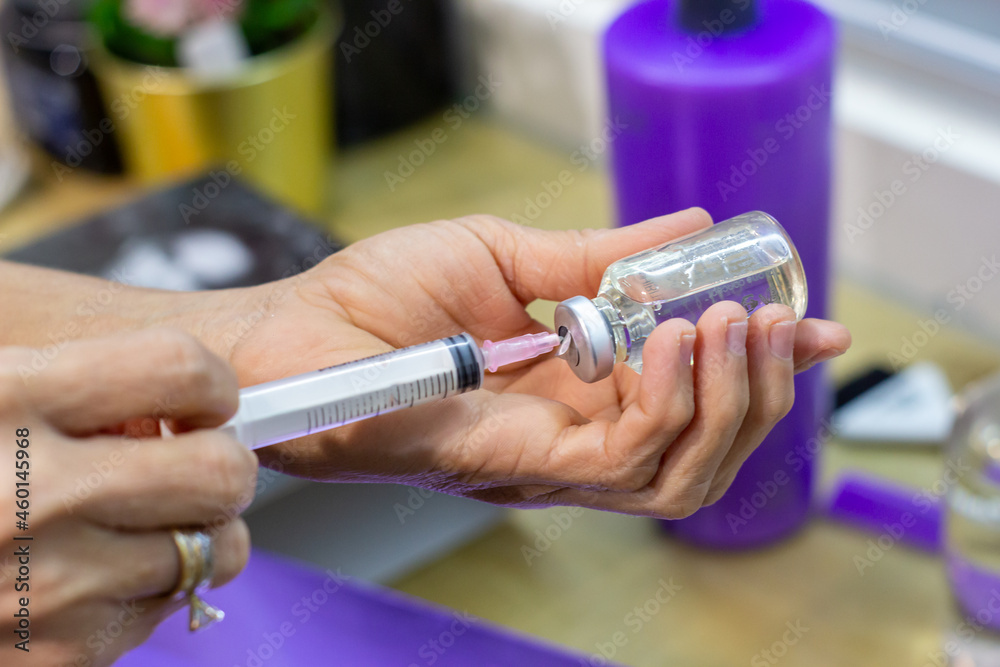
[[346, 393], [374, 403]]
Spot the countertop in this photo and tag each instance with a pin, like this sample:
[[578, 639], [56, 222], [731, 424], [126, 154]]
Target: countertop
[[802, 599]]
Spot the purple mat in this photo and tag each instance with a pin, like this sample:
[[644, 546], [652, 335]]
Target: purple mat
[[889, 510], [977, 591], [283, 614]]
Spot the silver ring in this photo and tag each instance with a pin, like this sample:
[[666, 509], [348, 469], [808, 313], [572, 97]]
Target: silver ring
[[197, 567]]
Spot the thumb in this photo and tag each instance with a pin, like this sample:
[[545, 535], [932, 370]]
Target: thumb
[[557, 265]]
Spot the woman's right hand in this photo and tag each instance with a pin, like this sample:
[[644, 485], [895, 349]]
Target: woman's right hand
[[104, 491]]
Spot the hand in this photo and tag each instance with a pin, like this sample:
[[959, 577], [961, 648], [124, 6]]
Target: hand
[[664, 443], [104, 490]]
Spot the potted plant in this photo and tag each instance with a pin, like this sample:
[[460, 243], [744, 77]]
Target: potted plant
[[241, 87]]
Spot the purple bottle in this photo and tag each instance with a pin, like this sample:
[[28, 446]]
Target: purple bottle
[[726, 105]]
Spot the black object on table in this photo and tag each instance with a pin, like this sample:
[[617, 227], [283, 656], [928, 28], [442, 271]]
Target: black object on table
[[239, 239], [53, 93], [392, 69]]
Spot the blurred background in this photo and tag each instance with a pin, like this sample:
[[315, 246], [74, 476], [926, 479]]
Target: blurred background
[[214, 143]]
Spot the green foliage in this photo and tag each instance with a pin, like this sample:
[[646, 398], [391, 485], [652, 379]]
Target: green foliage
[[266, 24], [269, 24], [125, 40]]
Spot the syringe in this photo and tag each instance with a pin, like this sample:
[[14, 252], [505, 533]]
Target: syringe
[[285, 409]]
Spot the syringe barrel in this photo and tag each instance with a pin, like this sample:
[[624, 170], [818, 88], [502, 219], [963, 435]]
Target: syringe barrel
[[293, 407]]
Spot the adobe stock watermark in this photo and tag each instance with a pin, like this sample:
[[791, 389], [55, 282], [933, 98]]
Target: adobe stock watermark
[[361, 37], [121, 107], [85, 486], [561, 521], [774, 653], [453, 118], [435, 647], [421, 326], [31, 25], [86, 311], [964, 633], [634, 621], [102, 639], [785, 129], [797, 459], [697, 43], [959, 297], [899, 16], [418, 497], [224, 8], [272, 641], [913, 170], [923, 501], [8, 569], [964, 292], [248, 149], [278, 291], [582, 158], [562, 13], [164, 407]]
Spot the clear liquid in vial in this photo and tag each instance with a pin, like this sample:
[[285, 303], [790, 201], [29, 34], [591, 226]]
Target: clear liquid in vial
[[972, 525], [657, 285]]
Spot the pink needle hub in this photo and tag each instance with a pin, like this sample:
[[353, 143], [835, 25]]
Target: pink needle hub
[[522, 348]]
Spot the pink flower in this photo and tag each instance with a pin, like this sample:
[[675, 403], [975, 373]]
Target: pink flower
[[170, 18], [218, 9], [163, 18]]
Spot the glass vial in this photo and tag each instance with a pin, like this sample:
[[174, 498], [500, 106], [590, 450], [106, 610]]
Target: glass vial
[[972, 523], [749, 259]]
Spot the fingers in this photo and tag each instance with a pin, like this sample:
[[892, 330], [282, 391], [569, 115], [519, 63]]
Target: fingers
[[117, 565], [625, 454], [680, 425], [95, 384], [689, 463], [779, 348], [664, 403], [96, 633], [722, 398], [193, 479], [817, 341], [681, 487], [483, 441], [148, 565], [668, 442], [663, 431], [527, 255], [116, 594], [770, 347]]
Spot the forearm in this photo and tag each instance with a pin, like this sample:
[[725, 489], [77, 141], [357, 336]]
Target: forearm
[[43, 307]]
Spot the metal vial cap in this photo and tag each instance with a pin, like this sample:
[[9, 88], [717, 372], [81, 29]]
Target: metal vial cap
[[591, 351]]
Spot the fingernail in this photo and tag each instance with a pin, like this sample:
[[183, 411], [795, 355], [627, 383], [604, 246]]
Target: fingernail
[[736, 337], [827, 355], [781, 339], [686, 345]]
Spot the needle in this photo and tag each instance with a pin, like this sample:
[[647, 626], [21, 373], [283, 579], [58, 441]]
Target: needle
[[567, 341]]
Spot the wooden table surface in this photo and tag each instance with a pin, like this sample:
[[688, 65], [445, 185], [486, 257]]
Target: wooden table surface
[[582, 590]]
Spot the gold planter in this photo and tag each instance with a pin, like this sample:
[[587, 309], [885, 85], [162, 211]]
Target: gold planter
[[270, 124]]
